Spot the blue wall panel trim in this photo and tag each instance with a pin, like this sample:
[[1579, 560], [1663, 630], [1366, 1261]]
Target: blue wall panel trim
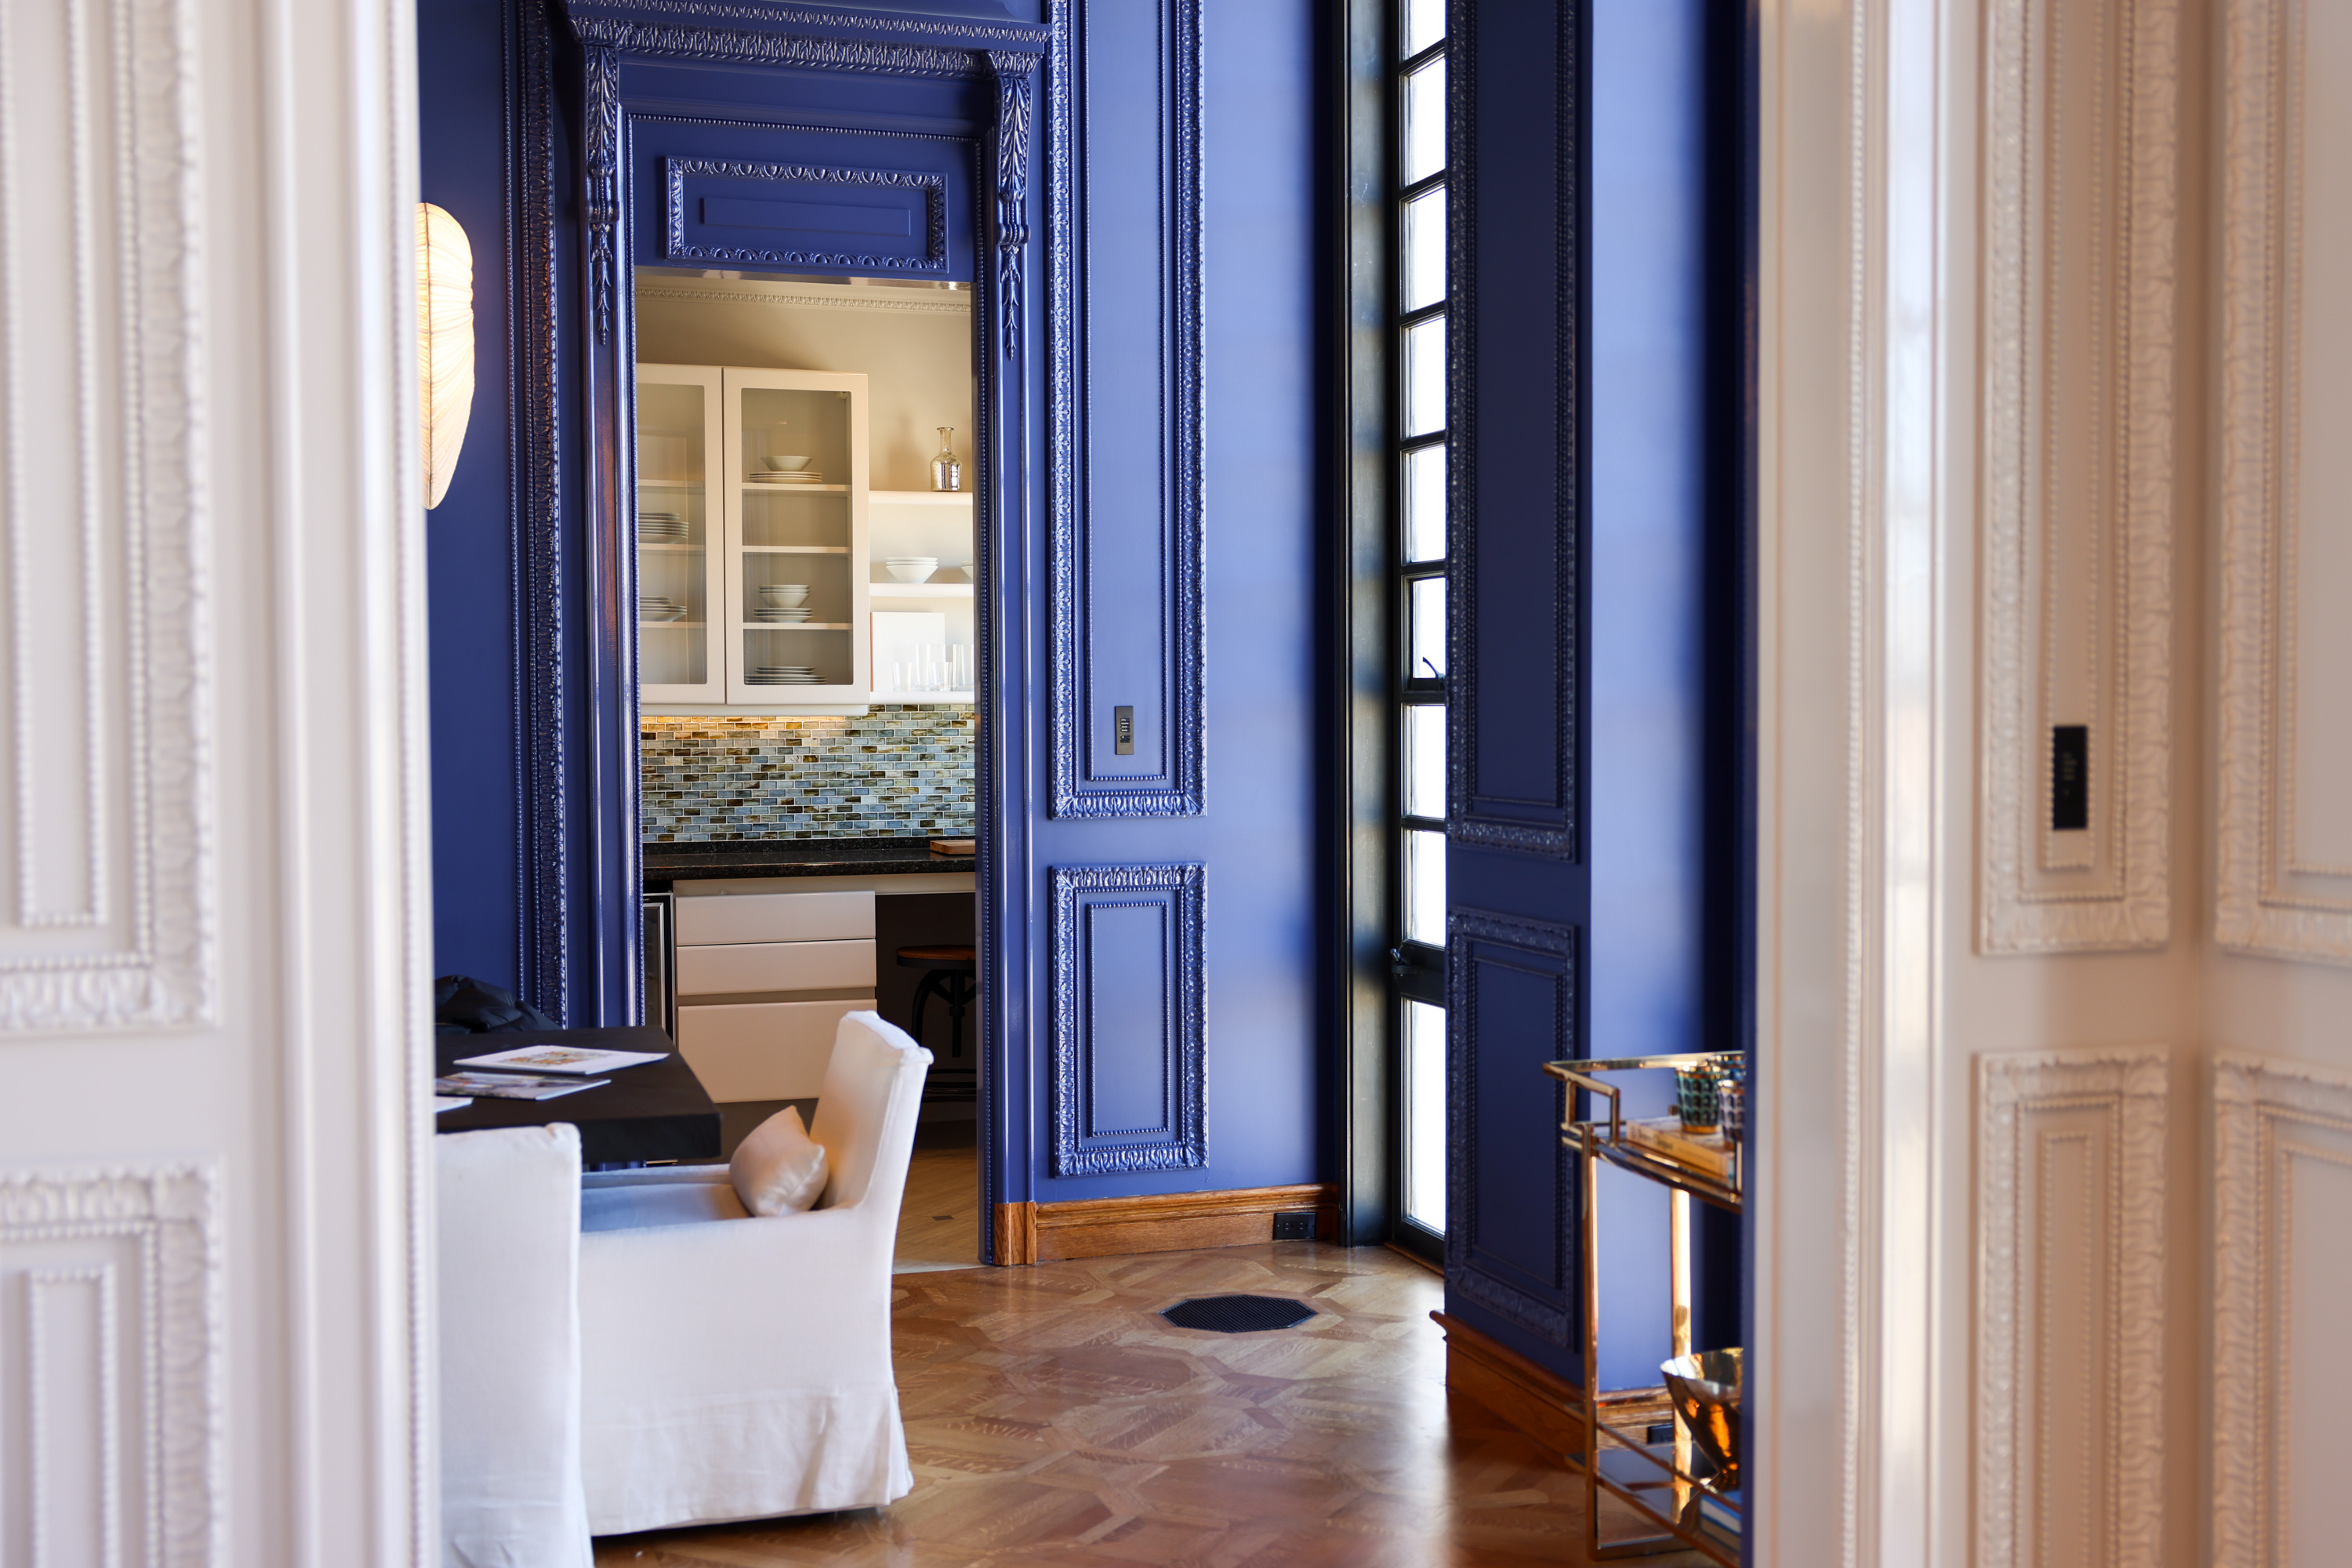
[[1512, 1004], [1130, 1062], [791, 214], [1125, 383], [1514, 451]]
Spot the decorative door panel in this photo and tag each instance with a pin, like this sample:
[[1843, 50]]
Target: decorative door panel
[[1125, 268], [733, 196], [1128, 1046]]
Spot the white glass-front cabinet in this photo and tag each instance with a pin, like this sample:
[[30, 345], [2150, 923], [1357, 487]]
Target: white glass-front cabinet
[[761, 601]]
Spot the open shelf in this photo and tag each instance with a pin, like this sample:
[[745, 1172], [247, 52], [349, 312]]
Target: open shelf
[[892, 589]]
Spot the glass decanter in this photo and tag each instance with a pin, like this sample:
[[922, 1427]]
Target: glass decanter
[[947, 473]]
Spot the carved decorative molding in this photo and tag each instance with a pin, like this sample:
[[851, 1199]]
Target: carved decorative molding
[[660, 41], [676, 247], [601, 214], [804, 16], [2270, 898], [110, 1288], [2077, 477], [2276, 1124], [807, 297], [2070, 1205], [1081, 1148], [1548, 1307], [544, 860], [1180, 790], [115, 917], [1015, 90]]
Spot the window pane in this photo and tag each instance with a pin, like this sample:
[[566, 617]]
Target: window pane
[[1425, 637], [1424, 886], [1424, 377], [1424, 1114], [1424, 504], [1424, 23], [1424, 761], [1424, 121], [1424, 249]]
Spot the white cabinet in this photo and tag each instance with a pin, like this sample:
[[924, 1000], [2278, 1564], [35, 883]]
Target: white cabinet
[[751, 546], [741, 957]]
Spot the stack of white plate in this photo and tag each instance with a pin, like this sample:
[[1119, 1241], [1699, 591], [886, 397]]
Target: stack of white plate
[[660, 527], [783, 615], [782, 674], [657, 607], [778, 477]]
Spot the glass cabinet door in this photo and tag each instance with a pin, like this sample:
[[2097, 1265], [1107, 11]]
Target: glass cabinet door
[[680, 524], [795, 591]]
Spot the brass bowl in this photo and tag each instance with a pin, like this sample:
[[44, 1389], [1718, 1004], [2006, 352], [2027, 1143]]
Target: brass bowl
[[1704, 1388]]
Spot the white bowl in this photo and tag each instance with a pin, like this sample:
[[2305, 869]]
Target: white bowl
[[912, 568], [784, 595], [788, 464]]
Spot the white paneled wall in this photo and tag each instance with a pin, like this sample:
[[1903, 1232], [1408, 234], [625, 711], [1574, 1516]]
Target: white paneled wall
[[213, 893], [2069, 1308], [2282, 1275], [2076, 491]]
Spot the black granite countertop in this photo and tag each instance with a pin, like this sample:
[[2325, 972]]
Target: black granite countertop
[[667, 863]]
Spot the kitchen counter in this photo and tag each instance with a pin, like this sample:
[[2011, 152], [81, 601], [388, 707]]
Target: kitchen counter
[[669, 863]]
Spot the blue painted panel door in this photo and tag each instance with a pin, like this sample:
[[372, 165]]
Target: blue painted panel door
[[1592, 787]]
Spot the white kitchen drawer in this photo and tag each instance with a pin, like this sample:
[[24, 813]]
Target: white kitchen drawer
[[774, 917], [762, 1050], [774, 966]]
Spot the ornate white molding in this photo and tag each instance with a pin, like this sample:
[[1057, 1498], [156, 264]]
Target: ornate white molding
[[110, 1289], [113, 921], [2070, 1219], [2273, 1121], [2266, 900], [2076, 468]]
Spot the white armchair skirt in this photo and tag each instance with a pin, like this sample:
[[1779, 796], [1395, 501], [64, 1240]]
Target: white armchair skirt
[[738, 1367]]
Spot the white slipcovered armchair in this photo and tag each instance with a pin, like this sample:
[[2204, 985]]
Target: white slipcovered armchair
[[734, 1366]]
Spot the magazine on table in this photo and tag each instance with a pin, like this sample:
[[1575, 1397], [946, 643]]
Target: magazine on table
[[585, 1059], [451, 1102], [513, 1085]]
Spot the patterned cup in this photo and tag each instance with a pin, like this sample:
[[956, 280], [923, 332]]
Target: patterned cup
[[1694, 1099]]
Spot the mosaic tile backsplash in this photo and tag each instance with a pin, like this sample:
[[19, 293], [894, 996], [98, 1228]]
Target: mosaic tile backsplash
[[899, 771]]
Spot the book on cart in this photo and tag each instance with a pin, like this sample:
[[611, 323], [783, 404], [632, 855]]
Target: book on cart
[[1708, 1153], [1723, 1512]]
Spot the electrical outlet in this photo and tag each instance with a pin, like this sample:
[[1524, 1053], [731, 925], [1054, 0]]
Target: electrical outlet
[[1123, 721], [1297, 1226], [2070, 778]]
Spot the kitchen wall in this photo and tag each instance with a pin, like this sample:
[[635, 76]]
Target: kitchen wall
[[899, 771]]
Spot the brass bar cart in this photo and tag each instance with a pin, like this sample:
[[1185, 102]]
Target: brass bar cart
[[1656, 1480]]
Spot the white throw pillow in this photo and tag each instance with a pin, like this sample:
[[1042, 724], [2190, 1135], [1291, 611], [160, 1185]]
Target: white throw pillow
[[779, 1169]]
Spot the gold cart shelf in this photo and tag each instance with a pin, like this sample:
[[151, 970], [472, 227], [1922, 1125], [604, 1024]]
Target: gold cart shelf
[[1656, 1480]]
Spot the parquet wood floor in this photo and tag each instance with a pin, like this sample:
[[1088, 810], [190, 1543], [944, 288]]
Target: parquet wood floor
[[1053, 1418], [938, 1220]]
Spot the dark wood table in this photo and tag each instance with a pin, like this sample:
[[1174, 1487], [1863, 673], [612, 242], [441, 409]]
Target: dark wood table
[[657, 1110]]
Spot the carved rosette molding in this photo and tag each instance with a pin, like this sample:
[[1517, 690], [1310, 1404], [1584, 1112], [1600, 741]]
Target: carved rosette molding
[[2038, 893], [705, 12], [147, 1242], [1547, 948], [2115, 1103], [2269, 1116], [147, 952], [1178, 888], [2263, 903], [1182, 792], [775, 48], [678, 171]]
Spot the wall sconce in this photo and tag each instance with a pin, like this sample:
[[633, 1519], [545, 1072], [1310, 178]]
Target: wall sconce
[[445, 342]]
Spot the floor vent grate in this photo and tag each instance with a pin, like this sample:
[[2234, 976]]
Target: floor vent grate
[[1238, 1314]]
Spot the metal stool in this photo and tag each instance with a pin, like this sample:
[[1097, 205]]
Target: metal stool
[[949, 972]]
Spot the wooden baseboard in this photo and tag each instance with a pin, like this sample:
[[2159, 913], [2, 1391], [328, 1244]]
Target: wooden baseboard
[[1543, 1404], [1167, 1222]]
